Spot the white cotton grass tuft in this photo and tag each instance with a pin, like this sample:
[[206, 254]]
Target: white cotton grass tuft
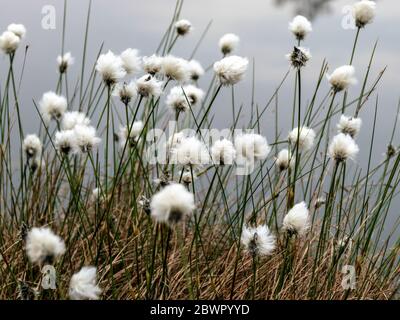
[[65, 141], [299, 57], [175, 68], [149, 86], [9, 42], [187, 177], [305, 138], [183, 27], [43, 246], [18, 29], [284, 160], [343, 147], [228, 43], [85, 137], [125, 91], [181, 99], [175, 139], [342, 77], [172, 203], [364, 12], [152, 64], [251, 146], [110, 67], [52, 106], [65, 61], [131, 61], [32, 146], [296, 220], [258, 240], [135, 131], [193, 94], [230, 70], [83, 285], [300, 26], [195, 70], [349, 125], [190, 152], [223, 152], [73, 118]]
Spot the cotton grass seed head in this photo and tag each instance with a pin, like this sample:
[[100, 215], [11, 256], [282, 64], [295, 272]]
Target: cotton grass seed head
[[342, 77], [252, 146], [172, 204], [32, 146], [110, 67], [195, 70], [175, 68], [303, 139], [9, 42], [299, 57], [230, 70], [190, 152], [258, 241], [131, 61], [177, 101], [223, 152], [296, 220], [65, 141], [342, 148], [86, 138], [134, 134], [125, 91], [43, 246], [152, 64], [194, 94], [73, 118], [52, 106], [364, 12], [65, 61], [300, 26], [149, 86], [83, 285], [228, 43], [18, 29], [183, 27], [284, 160], [349, 125]]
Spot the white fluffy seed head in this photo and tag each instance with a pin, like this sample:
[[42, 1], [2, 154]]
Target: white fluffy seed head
[[86, 138], [183, 27], [74, 118], [364, 12], [65, 141], [131, 61], [83, 285], [230, 70], [303, 139], [194, 94], [110, 67], [258, 241], [252, 146], [134, 134], [52, 106], [342, 77], [343, 147], [284, 160], [32, 146], [125, 91], [9, 42], [195, 70], [43, 246], [187, 176], [299, 57], [175, 139], [172, 203], [176, 100], [152, 64], [228, 43], [65, 61], [18, 29], [223, 152], [190, 151], [148, 85], [175, 68], [300, 26], [297, 220], [349, 125]]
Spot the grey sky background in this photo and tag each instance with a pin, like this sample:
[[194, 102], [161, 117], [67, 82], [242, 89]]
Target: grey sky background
[[263, 28]]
